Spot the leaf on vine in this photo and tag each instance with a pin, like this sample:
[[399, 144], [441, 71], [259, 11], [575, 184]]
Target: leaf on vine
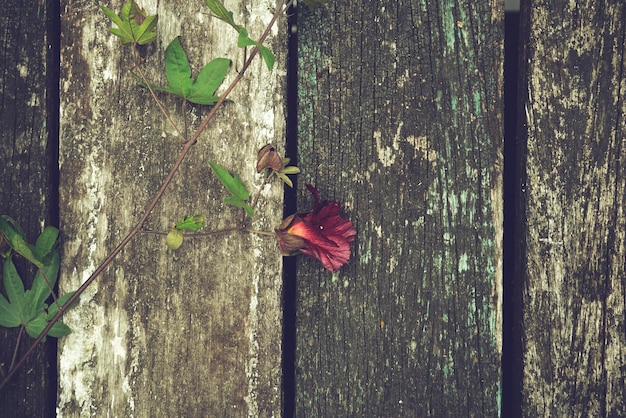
[[190, 223], [244, 40], [45, 279], [134, 25], [35, 326], [233, 183], [13, 285], [222, 13], [180, 82], [61, 302], [28, 308], [9, 314], [45, 242]]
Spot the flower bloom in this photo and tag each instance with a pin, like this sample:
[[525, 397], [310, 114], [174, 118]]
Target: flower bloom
[[321, 233]]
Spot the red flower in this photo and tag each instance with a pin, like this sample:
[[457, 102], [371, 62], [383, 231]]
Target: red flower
[[321, 234]]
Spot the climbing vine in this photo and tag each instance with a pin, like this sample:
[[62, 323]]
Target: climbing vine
[[321, 233]]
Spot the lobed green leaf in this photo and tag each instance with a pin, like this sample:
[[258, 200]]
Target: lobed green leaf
[[45, 242], [237, 202], [13, 284], [180, 82], [232, 183], [190, 223], [177, 69], [208, 81], [40, 290], [35, 327], [9, 314], [244, 40], [54, 308], [134, 26], [222, 13]]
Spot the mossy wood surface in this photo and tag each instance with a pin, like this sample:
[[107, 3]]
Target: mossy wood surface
[[400, 119], [574, 197], [26, 178], [193, 332]]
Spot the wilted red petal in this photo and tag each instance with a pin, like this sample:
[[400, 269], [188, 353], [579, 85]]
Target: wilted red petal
[[327, 236]]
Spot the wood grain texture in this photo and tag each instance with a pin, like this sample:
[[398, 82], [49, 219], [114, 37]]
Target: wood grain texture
[[194, 332], [400, 119], [27, 190], [573, 296]]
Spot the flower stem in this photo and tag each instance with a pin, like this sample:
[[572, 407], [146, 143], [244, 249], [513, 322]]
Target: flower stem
[[256, 231]]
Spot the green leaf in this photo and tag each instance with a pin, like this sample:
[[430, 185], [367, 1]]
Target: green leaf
[[222, 13], [37, 324], [291, 169], [54, 308], [190, 223], [45, 242], [9, 227], [146, 33], [17, 240], [232, 183], [244, 40], [20, 246], [40, 290], [177, 69], [13, 284], [124, 29], [237, 202], [284, 178], [180, 82], [9, 314], [134, 26], [268, 56], [208, 81], [59, 330]]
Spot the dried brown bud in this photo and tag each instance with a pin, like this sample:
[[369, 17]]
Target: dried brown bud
[[267, 157]]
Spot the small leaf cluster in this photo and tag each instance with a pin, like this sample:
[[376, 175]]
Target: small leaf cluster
[[180, 83], [243, 40], [286, 170], [134, 26], [238, 192], [174, 238], [28, 308]]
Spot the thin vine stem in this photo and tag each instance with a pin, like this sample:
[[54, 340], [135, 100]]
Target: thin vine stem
[[17, 346], [157, 197], [157, 101], [198, 234]]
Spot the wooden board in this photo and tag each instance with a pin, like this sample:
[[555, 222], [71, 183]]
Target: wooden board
[[28, 149], [194, 332], [574, 201], [400, 120]]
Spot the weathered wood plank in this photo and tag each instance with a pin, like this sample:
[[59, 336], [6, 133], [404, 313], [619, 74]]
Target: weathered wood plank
[[162, 333], [400, 118], [575, 196], [27, 190]]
